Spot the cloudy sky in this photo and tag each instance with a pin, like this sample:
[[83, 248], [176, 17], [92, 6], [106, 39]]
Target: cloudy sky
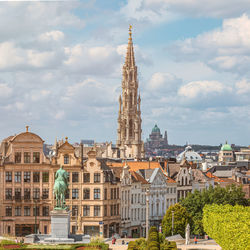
[[60, 68]]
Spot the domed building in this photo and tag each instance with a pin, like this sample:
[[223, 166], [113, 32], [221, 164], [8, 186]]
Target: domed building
[[190, 155], [156, 140], [226, 153]]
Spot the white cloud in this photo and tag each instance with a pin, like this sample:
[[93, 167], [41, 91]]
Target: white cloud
[[162, 10], [5, 90], [202, 88], [243, 87], [54, 35], [163, 82], [225, 49]]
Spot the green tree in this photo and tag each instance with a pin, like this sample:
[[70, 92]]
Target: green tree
[[195, 202], [228, 225], [181, 219]]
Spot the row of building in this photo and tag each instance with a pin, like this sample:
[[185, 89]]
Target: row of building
[[106, 196]]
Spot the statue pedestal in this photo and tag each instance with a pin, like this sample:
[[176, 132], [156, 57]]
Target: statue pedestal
[[60, 223], [60, 226]]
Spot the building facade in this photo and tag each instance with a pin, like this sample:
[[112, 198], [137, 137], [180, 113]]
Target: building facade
[[129, 120], [26, 193], [133, 203], [156, 140]]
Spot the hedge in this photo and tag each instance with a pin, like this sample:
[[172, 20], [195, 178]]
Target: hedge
[[228, 225]]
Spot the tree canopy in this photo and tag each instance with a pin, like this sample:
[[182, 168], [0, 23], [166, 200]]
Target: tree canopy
[[228, 225], [181, 219], [195, 202]]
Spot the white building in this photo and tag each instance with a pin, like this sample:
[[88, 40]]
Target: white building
[[162, 194], [133, 203]]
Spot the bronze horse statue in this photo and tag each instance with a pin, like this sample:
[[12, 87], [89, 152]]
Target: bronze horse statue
[[60, 187]]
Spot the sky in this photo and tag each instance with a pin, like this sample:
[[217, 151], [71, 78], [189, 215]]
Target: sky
[[61, 61]]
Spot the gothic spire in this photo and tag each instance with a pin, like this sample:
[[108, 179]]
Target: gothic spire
[[130, 59]]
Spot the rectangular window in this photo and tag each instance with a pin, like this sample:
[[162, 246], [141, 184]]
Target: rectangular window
[[86, 210], [112, 194], [26, 211], [97, 177], [36, 176], [36, 211], [18, 157], [86, 193], [105, 210], [111, 210], [26, 176], [74, 210], [8, 193], [45, 176], [46, 211], [105, 194], [67, 194], [36, 193], [97, 210], [45, 193], [118, 209], [66, 159], [27, 194], [86, 177], [117, 193], [17, 193], [8, 177], [36, 157], [26, 157], [8, 211], [75, 193], [17, 211], [17, 176], [75, 177], [97, 194]]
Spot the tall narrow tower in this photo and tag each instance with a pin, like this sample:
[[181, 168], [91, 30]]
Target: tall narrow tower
[[129, 118]]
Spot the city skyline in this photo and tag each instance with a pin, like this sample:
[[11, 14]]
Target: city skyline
[[61, 68]]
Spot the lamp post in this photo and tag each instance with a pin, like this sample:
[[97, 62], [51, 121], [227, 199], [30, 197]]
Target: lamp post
[[172, 222], [147, 212], [35, 215]]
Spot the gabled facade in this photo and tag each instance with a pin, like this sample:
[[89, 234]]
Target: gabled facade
[[133, 203]]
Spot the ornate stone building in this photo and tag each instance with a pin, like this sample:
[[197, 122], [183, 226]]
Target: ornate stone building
[[26, 188], [129, 130], [156, 140]]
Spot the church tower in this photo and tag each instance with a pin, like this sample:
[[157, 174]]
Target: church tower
[[129, 117]]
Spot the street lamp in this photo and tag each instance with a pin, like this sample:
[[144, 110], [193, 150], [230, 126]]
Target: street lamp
[[172, 222], [147, 212]]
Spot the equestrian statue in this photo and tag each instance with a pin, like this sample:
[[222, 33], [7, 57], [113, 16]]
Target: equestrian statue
[[60, 188]]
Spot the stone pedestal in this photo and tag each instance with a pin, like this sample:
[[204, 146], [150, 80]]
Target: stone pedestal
[[60, 226], [60, 223]]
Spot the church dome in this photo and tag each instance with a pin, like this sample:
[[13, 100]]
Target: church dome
[[190, 155], [226, 147], [156, 129]]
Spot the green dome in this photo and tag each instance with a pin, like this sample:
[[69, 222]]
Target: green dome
[[226, 147], [156, 129]]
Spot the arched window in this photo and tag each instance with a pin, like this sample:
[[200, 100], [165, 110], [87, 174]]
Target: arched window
[[186, 181], [130, 128], [131, 100], [182, 181]]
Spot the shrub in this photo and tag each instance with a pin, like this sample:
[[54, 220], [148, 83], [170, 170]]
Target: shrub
[[228, 225]]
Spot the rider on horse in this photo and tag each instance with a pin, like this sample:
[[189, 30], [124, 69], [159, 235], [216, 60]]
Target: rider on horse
[[60, 187]]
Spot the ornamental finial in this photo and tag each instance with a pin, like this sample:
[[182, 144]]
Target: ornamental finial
[[130, 32]]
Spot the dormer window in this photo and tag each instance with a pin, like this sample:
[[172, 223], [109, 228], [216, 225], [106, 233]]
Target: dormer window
[[26, 157], [66, 159], [18, 157]]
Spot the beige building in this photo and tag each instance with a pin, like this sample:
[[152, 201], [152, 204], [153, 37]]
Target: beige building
[[129, 120], [26, 193], [226, 154]]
